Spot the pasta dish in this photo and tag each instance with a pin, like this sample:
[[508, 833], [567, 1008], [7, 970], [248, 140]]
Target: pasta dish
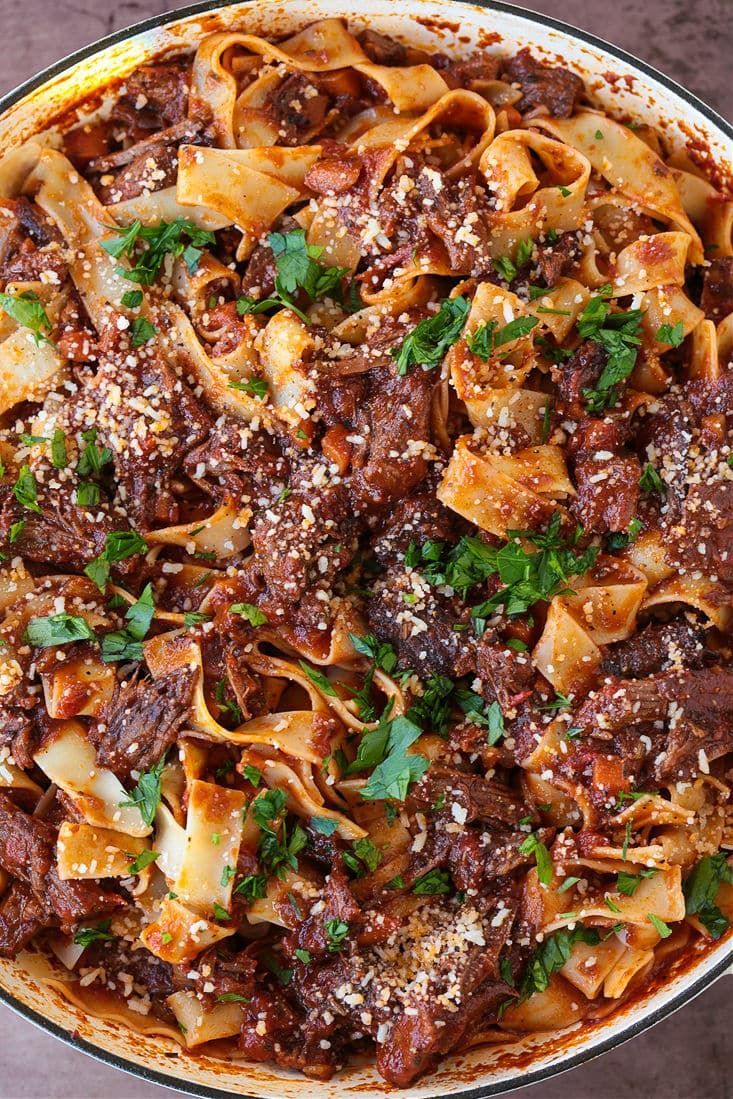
[[366, 516]]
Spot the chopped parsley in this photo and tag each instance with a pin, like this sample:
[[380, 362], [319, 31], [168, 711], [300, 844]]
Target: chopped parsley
[[256, 387], [528, 578], [488, 716], [25, 490], [148, 246], [552, 955], [701, 889], [146, 794], [673, 334], [141, 331], [58, 629], [533, 846], [336, 933], [27, 309], [277, 851], [659, 925], [119, 545], [253, 887], [650, 481], [618, 335], [85, 936], [143, 859], [381, 653], [92, 459], [325, 826], [250, 612], [385, 749], [432, 338], [484, 341], [127, 644], [433, 883], [87, 494], [318, 679]]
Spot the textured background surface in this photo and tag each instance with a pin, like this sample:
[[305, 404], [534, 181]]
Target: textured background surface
[[686, 1057]]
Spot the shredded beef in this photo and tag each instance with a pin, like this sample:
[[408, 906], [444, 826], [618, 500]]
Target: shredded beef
[[703, 720], [298, 549], [423, 634], [482, 799], [447, 203], [22, 915], [579, 373], [331, 175], [71, 535], [273, 1031], [703, 537], [607, 493], [155, 97], [19, 732], [382, 50], [145, 460], [550, 86], [246, 686], [506, 675], [28, 852], [655, 649], [394, 422], [237, 464], [219, 971], [298, 113], [554, 259], [717, 289], [143, 720], [416, 1042]]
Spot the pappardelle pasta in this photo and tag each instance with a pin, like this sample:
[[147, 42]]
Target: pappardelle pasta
[[366, 510]]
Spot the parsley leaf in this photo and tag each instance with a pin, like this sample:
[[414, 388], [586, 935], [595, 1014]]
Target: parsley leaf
[[25, 490], [85, 936], [27, 310], [533, 846], [57, 629], [650, 481], [552, 955], [146, 794], [432, 709], [391, 778], [325, 826], [486, 338], [119, 545], [127, 644], [432, 337], [488, 716], [59, 457], [673, 334], [701, 889], [248, 611], [618, 335], [148, 245], [87, 494], [433, 883], [381, 652], [336, 933], [141, 331], [252, 887], [256, 387], [318, 679], [143, 859], [660, 925]]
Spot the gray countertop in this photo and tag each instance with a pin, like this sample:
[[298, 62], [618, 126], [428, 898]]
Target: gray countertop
[[686, 1057]]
